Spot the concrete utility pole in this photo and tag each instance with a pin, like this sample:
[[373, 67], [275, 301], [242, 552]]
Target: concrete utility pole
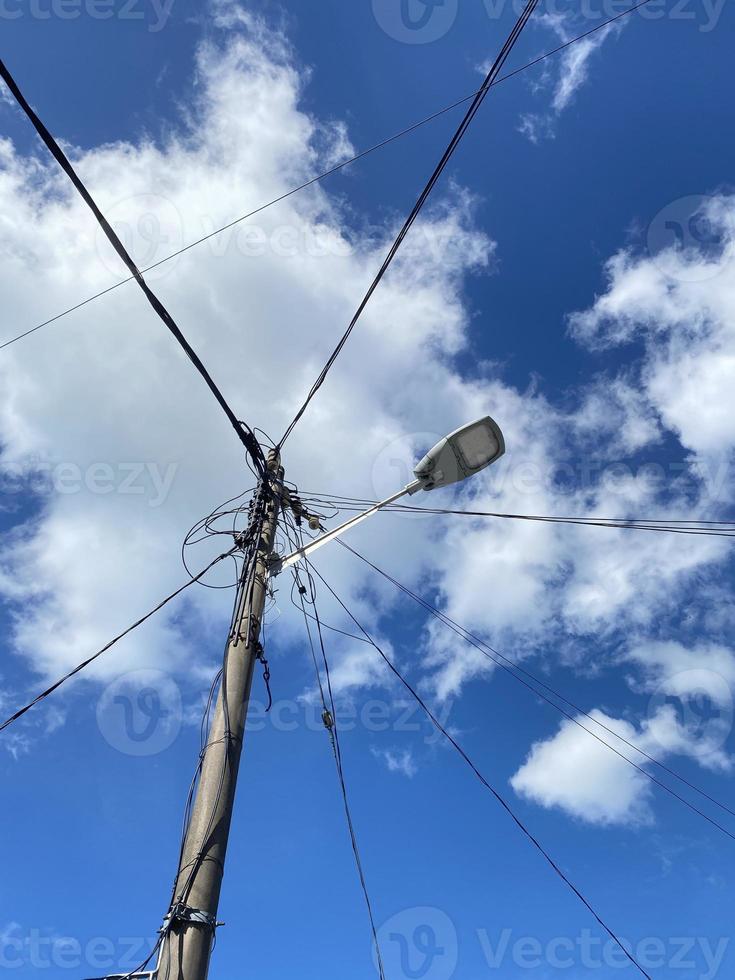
[[190, 927]]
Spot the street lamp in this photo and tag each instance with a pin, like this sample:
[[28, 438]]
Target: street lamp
[[463, 453], [459, 455]]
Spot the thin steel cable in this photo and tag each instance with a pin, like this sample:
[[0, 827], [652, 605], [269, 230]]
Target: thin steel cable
[[477, 101], [633, 525], [722, 529], [500, 799], [330, 716], [80, 667], [511, 668], [244, 433], [327, 173]]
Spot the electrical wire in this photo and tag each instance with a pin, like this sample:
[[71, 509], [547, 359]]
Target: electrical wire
[[329, 716], [500, 799], [721, 529], [327, 173], [249, 542], [219, 679], [244, 433], [477, 101], [80, 667], [515, 670]]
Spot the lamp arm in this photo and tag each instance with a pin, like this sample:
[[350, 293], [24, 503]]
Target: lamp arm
[[336, 532]]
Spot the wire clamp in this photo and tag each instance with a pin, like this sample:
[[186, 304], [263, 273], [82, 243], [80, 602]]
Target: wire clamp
[[327, 719], [184, 913], [242, 539], [275, 565]]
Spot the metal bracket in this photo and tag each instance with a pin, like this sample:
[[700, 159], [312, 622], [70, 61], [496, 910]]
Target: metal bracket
[[184, 913], [275, 565]]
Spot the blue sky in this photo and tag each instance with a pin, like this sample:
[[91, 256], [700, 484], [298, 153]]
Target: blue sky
[[543, 287]]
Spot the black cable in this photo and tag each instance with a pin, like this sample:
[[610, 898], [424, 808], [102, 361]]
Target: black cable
[[634, 525], [477, 101], [246, 586], [86, 663], [327, 173], [329, 717], [721, 529], [244, 434], [511, 667], [450, 738]]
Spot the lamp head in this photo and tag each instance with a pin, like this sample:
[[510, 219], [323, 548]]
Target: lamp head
[[461, 454]]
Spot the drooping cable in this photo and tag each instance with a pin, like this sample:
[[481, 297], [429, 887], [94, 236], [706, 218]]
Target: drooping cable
[[248, 541], [244, 433], [329, 717], [515, 670], [327, 173], [477, 101], [500, 799], [80, 667]]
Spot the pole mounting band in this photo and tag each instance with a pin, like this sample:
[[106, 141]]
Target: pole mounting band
[[185, 913]]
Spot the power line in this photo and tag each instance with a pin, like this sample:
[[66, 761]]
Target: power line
[[515, 669], [80, 667], [327, 173], [245, 435], [477, 101], [329, 717], [722, 529], [500, 799], [708, 528]]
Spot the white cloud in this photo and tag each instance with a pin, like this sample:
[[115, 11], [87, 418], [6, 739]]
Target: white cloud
[[570, 75], [615, 411], [532, 587], [264, 304], [397, 760], [680, 303], [535, 127], [359, 667], [690, 714], [662, 660], [16, 744], [696, 687], [574, 772], [574, 68]]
